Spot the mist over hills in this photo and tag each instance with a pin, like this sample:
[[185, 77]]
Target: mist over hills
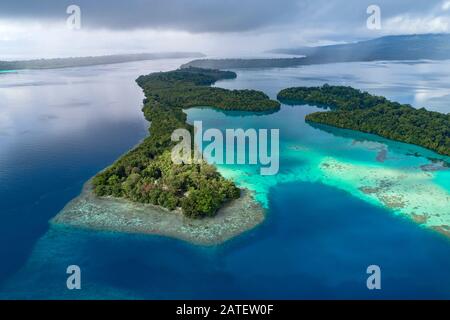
[[402, 47]]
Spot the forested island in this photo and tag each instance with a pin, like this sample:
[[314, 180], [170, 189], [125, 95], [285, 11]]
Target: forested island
[[361, 111], [92, 61], [146, 174]]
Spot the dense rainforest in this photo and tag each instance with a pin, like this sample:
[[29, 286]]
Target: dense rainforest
[[147, 174], [357, 110]]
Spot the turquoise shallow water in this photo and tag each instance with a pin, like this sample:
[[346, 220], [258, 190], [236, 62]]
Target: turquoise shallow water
[[321, 231], [344, 159]]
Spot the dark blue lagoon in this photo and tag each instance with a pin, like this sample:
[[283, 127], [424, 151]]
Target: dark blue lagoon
[[60, 127]]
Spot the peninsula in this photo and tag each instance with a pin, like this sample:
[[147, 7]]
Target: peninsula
[[145, 192], [361, 111], [147, 175]]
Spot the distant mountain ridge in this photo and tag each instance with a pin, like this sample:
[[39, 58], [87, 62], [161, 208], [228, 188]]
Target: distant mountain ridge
[[403, 47], [91, 61]]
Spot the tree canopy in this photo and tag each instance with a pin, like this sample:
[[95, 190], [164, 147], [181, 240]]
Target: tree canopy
[[147, 174], [357, 110]]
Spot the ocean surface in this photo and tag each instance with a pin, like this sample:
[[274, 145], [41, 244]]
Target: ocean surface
[[60, 127]]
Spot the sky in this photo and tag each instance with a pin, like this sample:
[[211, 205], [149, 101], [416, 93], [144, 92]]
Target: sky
[[225, 28]]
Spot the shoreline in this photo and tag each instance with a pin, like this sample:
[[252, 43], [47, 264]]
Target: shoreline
[[88, 211]]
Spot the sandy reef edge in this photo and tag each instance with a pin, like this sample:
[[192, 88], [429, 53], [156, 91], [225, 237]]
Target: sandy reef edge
[[119, 215]]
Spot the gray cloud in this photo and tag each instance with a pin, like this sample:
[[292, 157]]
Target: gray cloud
[[187, 15], [212, 15]]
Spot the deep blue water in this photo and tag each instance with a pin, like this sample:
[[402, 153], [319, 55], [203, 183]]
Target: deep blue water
[[60, 127]]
